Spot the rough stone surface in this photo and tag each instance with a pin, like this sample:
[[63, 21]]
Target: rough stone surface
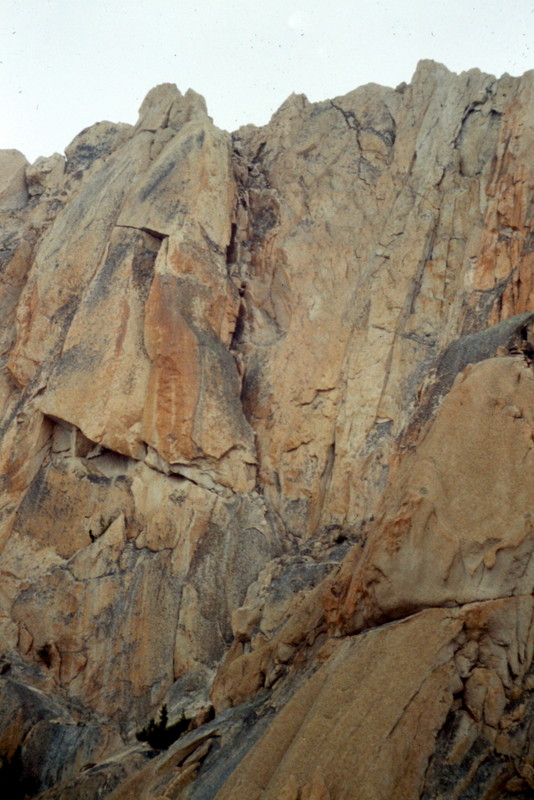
[[353, 731], [266, 450], [452, 529], [13, 186]]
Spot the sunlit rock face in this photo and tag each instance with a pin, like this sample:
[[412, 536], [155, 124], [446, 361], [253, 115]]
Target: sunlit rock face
[[266, 450]]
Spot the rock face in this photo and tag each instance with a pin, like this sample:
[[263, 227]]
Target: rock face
[[267, 450]]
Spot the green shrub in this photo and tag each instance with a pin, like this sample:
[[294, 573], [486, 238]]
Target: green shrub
[[44, 654], [160, 735]]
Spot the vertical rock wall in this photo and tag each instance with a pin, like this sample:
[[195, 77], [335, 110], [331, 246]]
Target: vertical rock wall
[[233, 448]]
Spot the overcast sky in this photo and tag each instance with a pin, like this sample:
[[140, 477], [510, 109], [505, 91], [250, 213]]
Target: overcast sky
[[65, 64]]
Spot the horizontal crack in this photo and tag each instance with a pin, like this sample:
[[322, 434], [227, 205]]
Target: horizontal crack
[[144, 229]]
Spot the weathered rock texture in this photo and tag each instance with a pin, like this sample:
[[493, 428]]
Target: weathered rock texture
[[267, 450]]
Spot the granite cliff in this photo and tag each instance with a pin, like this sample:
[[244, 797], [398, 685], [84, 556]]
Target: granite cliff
[[267, 450]]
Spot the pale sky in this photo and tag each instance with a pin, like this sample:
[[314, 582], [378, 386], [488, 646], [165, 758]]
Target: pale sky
[[66, 64]]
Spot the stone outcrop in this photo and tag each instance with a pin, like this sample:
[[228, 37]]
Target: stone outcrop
[[266, 450], [447, 688]]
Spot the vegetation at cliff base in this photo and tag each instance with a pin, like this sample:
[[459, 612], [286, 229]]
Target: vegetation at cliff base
[[160, 735]]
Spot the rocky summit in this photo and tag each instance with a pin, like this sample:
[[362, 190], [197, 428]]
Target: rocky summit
[[267, 451]]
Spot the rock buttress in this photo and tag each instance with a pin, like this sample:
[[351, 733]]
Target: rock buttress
[[228, 365]]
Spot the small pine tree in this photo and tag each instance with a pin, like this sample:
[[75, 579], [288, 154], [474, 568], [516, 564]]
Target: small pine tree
[[160, 735]]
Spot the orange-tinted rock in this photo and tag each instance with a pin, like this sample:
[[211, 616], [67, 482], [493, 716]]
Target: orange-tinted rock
[[368, 722], [452, 529], [256, 452], [117, 548], [396, 186]]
